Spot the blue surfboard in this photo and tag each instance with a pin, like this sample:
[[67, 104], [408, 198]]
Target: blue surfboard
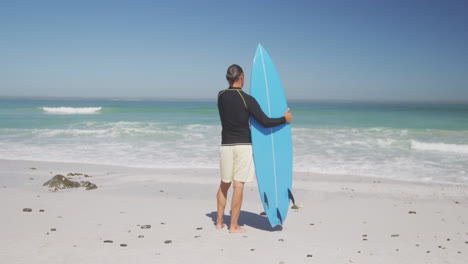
[[272, 147]]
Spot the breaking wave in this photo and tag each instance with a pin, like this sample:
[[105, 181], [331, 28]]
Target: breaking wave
[[71, 110], [443, 147]]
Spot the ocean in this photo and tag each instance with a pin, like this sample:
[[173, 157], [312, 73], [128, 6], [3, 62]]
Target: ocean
[[413, 142]]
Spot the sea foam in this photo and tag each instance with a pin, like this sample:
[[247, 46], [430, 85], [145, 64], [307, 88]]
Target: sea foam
[[443, 147], [71, 110]]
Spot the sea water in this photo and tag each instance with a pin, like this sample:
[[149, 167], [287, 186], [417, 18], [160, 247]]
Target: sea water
[[415, 142]]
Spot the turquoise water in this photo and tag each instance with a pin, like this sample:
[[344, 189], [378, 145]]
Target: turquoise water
[[417, 142]]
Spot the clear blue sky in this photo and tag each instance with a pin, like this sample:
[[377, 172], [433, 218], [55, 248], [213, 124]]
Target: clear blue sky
[[340, 50]]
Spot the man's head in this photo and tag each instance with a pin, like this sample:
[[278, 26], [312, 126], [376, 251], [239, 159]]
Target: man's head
[[235, 75]]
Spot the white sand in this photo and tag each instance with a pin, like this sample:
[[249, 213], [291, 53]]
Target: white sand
[[338, 213]]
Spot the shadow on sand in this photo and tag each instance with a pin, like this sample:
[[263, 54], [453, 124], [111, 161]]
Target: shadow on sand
[[249, 219]]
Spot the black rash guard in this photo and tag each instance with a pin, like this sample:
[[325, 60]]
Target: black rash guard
[[235, 107]]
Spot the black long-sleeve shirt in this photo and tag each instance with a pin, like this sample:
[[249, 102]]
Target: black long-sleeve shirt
[[235, 107]]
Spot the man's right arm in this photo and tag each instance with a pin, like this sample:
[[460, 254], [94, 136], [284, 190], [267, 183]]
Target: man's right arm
[[264, 120]]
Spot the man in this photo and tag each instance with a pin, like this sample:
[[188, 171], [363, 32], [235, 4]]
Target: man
[[236, 158]]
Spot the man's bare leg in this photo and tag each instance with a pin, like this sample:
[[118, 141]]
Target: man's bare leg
[[222, 197], [236, 204]]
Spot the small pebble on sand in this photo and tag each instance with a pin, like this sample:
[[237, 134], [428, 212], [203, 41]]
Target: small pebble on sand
[[395, 235], [196, 236], [199, 228], [167, 241], [412, 212], [123, 245], [41, 210], [145, 226], [252, 249], [281, 240], [27, 210], [108, 241], [309, 255], [141, 236], [53, 229]]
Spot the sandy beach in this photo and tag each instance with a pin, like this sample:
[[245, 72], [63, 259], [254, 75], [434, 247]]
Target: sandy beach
[[166, 216]]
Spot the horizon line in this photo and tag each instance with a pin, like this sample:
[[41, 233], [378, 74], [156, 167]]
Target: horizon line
[[172, 99]]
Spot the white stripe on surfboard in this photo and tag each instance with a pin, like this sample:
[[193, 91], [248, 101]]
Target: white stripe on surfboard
[[271, 131]]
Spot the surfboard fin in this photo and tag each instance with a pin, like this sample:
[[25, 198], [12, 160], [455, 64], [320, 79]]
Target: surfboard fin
[[265, 198], [291, 197], [279, 216]]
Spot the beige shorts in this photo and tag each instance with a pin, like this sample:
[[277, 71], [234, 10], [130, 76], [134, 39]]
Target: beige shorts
[[236, 163]]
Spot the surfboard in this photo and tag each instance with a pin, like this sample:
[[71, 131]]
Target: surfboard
[[272, 147]]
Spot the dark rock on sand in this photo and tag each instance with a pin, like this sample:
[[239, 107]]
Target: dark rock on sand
[[61, 182], [309, 255], [145, 226], [411, 212], [32, 168], [281, 240], [167, 241], [252, 249], [141, 236], [199, 228], [42, 210], [123, 245], [395, 235], [88, 185], [75, 174], [196, 236], [108, 241], [27, 210], [53, 229]]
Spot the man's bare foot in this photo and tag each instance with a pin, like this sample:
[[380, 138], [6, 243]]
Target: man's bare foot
[[237, 229], [220, 226]]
